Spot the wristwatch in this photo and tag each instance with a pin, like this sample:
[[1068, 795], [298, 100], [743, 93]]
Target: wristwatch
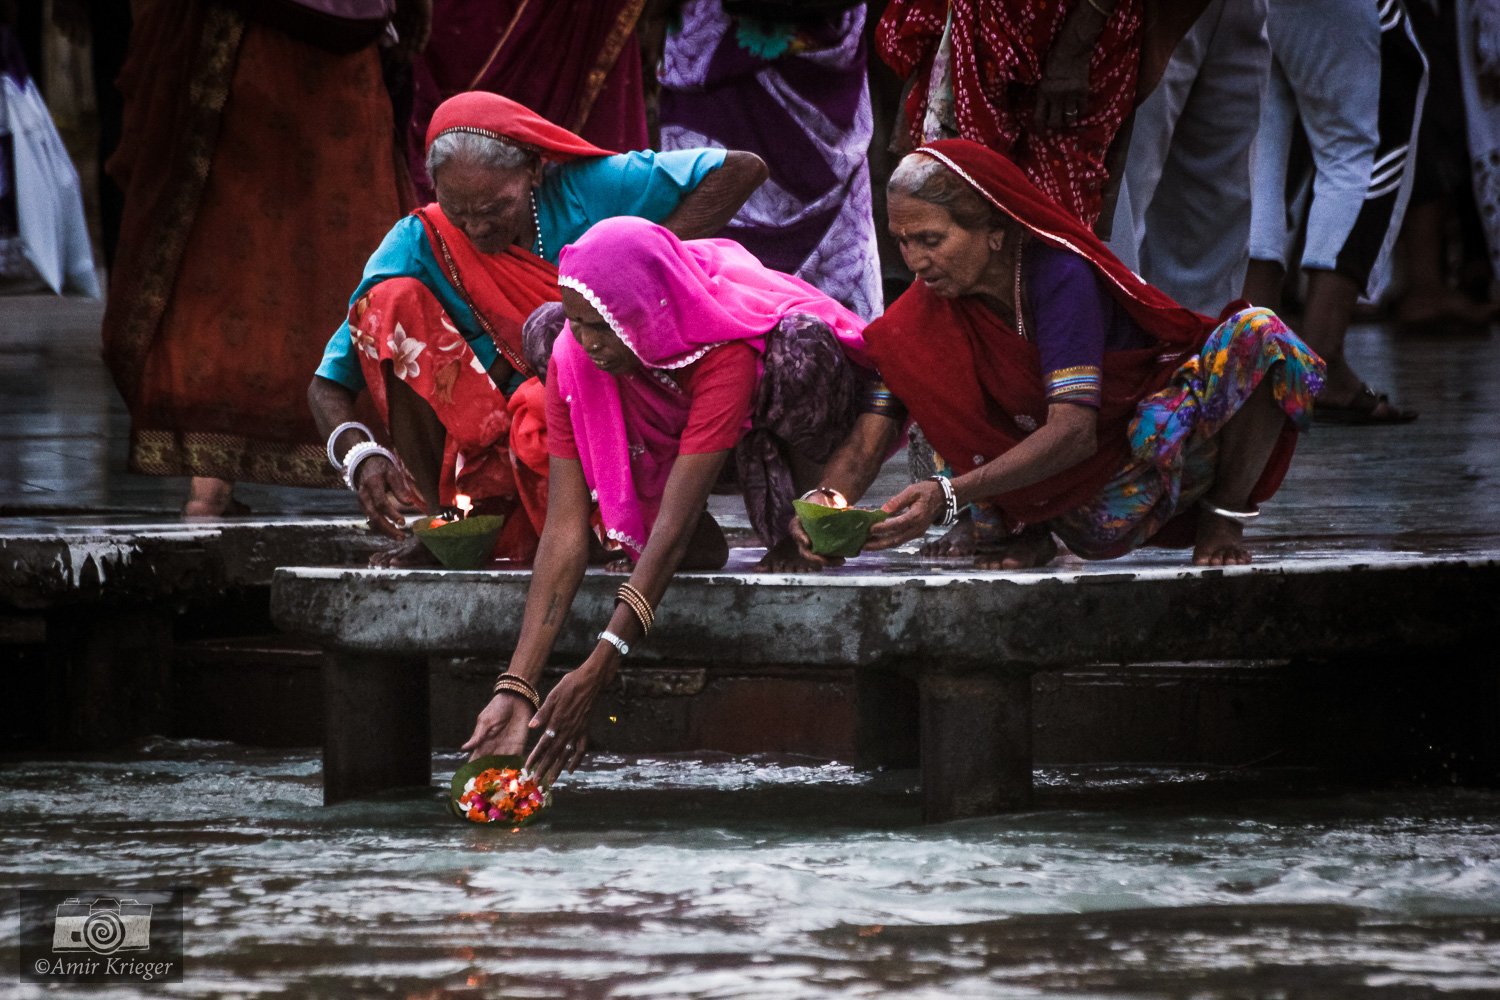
[[615, 641]]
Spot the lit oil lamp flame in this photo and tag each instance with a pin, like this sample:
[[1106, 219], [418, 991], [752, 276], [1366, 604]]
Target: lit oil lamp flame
[[464, 505], [837, 501]]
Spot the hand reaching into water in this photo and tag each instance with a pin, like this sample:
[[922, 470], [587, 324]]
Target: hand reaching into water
[[563, 722], [501, 727]]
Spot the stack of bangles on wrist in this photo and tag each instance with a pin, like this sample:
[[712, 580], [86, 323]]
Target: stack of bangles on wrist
[[950, 501], [508, 683], [637, 602], [361, 451]]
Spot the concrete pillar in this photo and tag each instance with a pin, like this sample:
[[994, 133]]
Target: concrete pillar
[[976, 744], [375, 731]]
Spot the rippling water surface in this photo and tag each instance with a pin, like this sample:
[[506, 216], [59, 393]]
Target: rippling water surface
[[758, 877]]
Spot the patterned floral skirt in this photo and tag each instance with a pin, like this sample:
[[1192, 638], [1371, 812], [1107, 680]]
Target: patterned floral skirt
[[1174, 436], [805, 404]]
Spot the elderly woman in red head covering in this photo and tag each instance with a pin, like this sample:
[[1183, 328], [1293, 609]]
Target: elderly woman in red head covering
[[677, 355], [1066, 396], [434, 328]]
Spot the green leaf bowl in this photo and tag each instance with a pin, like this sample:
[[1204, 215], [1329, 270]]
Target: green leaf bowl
[[837, 531], [465, 544]]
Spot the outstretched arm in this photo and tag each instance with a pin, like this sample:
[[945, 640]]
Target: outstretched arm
[[1067, 438], [708, 207], [561, 558], [565, 714]]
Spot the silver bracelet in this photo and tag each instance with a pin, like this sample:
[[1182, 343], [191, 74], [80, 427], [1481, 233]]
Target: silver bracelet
[[615, 641], [358, 454], [1233, 515], [347, 425], [950, 502]]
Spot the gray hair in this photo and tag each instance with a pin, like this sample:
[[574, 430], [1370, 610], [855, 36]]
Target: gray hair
[[492, 153], [925, 178]]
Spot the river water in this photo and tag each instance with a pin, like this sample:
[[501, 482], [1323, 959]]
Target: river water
[[761, 877]]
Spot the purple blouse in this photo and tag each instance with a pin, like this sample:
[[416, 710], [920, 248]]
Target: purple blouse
[[1075, 322]]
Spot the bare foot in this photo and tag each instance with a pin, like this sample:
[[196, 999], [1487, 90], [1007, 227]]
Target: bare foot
[[1220, 542], [956, 541], [208, 497], [410, 554], [784, 557], [624, 565], [1028, 550]]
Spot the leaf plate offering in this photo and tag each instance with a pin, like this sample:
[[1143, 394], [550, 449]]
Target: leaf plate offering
[[465, 544], [836, 531]]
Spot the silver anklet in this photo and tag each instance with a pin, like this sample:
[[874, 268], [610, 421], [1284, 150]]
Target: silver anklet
[[1233, 515]]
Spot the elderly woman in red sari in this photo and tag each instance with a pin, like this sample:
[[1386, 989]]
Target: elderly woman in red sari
[[434, 328], [676, 357], [1068, 397]]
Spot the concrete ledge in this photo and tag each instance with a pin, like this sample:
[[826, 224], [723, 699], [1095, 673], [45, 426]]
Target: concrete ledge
[[45, 565], [972, 641], [905, 615], [97, 607]]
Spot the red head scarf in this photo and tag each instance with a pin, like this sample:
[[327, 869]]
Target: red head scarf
[[499, 117], [1001, 183]]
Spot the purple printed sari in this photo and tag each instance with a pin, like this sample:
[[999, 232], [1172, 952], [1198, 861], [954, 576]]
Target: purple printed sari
[[795, 95]]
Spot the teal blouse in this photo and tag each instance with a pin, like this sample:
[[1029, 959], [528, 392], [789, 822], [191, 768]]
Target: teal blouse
[[571, 197]]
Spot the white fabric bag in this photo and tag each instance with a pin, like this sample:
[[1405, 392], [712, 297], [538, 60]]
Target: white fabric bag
[[49, 204]]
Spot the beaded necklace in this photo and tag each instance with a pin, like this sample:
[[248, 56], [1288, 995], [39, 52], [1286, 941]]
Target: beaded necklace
[[536, 221], [1020, 320]]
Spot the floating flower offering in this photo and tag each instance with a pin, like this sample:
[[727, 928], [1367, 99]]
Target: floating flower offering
[[497, 790], [836, 531]]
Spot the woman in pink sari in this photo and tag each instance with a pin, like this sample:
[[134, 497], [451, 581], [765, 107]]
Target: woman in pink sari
[[676, 356]]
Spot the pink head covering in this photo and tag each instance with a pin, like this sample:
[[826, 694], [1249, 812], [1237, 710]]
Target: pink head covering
[[671, 302]]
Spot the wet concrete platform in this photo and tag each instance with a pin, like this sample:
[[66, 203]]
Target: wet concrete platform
[[970, 642]]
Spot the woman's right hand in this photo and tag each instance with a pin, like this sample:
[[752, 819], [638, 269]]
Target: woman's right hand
[[912, 511], [384, 488], [501, 727]]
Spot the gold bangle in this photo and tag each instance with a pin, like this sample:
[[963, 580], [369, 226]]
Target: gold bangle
[[637, 603], [1095, 4], [518, 685], [507, 687]]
